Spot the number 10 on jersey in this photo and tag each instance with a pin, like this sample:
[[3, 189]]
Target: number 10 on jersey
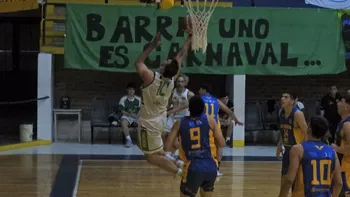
[[321, 172]]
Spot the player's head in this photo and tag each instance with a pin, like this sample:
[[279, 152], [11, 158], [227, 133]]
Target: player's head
[[169, 68], [181, 81], [288, 99], [204, 89], [131, 89], [318, 127], [225, 98], [196, 106], [344, 105]]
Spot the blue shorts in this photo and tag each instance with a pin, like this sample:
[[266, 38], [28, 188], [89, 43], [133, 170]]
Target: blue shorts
[[285, 161], [196, 180], [198, 176], [345, 190]]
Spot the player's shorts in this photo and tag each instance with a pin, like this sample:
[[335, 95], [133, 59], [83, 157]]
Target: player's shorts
[[170, 121], [193, 179], [129, 119], [345, 192], [150, 134], [285, 161]]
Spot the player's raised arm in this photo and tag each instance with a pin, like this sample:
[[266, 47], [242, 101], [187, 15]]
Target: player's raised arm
[[225, 109], [300, 120], [287, 181], [219, 139], [337, 179], [144, 72], [172, 136], [183, 51]]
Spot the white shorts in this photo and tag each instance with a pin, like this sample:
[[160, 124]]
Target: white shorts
[[169, 123], [150, 134], [129, 119]]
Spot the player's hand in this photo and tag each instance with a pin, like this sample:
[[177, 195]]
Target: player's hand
[[237, 122], [156, 40], [279, 153], [189, 32]]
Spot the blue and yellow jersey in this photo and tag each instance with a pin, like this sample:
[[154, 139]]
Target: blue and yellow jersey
[[212, 106], [197, 143], [315, 173], [344, 159], [291, 134]]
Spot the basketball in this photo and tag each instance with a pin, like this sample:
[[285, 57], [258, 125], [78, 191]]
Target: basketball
[[166, 4], [187, 24]]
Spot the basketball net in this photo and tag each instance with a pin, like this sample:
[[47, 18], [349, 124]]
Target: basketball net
[[200, 17]]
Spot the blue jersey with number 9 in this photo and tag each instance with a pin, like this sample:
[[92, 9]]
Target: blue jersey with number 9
[[315, 174], [212, 106], [197, 144]]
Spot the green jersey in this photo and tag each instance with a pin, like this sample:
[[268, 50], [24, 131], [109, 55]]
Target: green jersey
[[132, 105]]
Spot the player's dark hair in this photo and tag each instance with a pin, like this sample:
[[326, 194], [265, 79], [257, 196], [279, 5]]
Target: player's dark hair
[[171, 69], [196, 106], [319, 126], [222, 95], [206, 87], [347, 99], [292, 95], [131, 85]]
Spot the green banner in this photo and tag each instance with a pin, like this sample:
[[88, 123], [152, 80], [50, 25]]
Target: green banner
[[253, 41]]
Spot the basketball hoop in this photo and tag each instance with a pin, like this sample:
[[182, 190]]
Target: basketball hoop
[[200, 17]]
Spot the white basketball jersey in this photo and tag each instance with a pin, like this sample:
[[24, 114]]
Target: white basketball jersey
[[179, 100], [156, 97]]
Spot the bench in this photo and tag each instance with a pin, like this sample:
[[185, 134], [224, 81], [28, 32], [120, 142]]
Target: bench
[[101, 109]]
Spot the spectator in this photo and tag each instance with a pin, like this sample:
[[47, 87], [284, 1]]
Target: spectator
[[348, 92], [129, 105], [329, 110], [225, 120]]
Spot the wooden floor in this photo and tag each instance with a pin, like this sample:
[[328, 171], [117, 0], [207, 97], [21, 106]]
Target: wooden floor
[[136, 178], [33, 175], [27, 175]]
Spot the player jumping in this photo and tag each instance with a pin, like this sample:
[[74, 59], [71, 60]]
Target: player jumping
[[156, 91]]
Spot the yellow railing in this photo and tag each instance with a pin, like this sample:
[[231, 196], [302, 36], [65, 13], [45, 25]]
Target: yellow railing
[[53, 23]]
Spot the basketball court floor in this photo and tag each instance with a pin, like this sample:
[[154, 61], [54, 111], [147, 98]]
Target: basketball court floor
[[82, 170]]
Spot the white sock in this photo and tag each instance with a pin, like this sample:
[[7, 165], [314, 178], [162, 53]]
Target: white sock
[[179, 171], [179, 162], [168, 155], [227, 139], [128, 137]]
